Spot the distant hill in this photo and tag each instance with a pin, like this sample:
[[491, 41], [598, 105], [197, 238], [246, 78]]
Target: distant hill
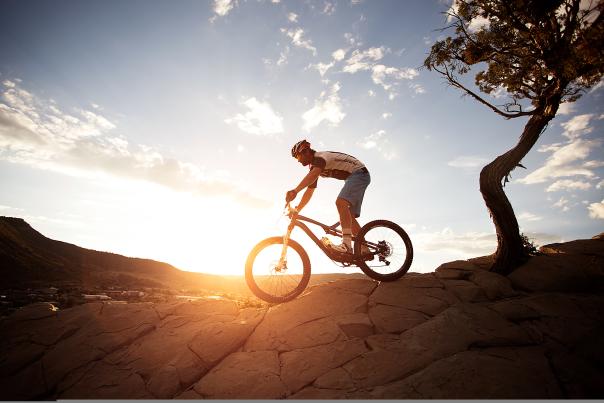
[[29, 259]]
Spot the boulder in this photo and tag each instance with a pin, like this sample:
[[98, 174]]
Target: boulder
[[593, 247], [107, 382], [357, 285], [301, 367], [429, 301], [323, 301], [27, 384], [562, 272], [495, 373], [395, 319], [467, 325], [466, 291], [456, 270], [244, 375], [353, 325], [494, 286]]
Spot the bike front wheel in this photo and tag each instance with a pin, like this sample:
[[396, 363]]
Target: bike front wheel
[[271, 281], [391, 249]]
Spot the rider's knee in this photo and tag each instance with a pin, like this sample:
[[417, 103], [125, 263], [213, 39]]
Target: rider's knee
[[342, 202]]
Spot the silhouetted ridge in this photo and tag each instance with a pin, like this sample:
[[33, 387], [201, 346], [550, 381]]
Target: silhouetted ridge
[[29, 259]]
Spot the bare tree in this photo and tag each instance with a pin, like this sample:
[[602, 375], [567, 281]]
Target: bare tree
[[543, 53]]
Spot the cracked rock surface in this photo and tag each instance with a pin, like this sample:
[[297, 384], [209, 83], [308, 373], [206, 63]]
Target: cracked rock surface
[[460, 332]]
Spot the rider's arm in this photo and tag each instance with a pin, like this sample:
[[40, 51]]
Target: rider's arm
[[310, 178], [305, 198]]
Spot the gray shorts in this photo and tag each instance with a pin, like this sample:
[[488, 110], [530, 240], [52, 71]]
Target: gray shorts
[[354, 190]]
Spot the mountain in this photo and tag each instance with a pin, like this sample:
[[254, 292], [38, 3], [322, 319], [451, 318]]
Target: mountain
[[29, 259], [460, 332]]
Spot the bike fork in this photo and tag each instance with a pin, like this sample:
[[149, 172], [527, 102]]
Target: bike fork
[[283, 258]]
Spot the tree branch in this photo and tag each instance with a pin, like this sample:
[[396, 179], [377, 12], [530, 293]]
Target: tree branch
[[457, 84]]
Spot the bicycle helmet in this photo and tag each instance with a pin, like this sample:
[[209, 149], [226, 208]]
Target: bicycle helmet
[[299, 147]]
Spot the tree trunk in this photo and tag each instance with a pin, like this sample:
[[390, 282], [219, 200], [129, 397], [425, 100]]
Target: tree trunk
[[510, 252]]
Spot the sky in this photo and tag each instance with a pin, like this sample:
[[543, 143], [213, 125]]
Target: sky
[[163, 129]]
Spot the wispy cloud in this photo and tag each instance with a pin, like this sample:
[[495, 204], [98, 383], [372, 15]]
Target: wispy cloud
[[329, 8], [566, 108], [327, 108], [568, 158], [526, 216], [468, 162], [38, 133], [596, 210], [568, 184], [260, 119], [563, 204], [469, 244], [379, 142], [364, 60], [221, 8], [476, 24], [385, 76], [297, 37], [292, 17], [322, 67]]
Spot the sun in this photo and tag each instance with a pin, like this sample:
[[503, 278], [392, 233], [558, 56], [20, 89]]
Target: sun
[[193, 233]]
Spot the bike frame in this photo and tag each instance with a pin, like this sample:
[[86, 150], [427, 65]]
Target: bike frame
[[297, 221]]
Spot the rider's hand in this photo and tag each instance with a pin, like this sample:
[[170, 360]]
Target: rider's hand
[[290, 195], [292, 212]]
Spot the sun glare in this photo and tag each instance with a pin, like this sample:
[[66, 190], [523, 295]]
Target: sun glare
[[193, 233]]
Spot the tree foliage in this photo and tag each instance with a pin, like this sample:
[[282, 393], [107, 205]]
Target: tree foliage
[[530, 48]]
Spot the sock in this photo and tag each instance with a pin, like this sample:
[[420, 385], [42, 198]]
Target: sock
[[347, 237]]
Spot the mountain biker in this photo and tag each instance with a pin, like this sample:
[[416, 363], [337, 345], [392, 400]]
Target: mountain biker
[[331, 164]]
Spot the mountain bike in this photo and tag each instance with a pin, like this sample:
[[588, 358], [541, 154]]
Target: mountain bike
[[278, 268]]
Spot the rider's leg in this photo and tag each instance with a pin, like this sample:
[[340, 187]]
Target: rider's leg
[[356, 227], [346, 218]]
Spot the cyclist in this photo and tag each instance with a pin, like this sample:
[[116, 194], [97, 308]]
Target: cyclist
[[336, 165]]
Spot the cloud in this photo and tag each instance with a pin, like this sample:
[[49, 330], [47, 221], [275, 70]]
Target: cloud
[[297, 37], [417, 88], [474, 25], [567, 158], [322, 67], [596, 210], [526, 216], [378, 141], [329, 8], [600, 185], [469, 244], [327, 108], [562, 204], [577, 126], [567, 108], [292, 17], [365, 60], [468, 162], [222, 8], [260, 119], [386, 115], [387, 76], [478, 23], [568, 184], [339, 55], [37, 133]]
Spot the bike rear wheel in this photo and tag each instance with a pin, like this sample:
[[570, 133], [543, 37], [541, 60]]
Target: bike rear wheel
[[270, 282], [391, 247]]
